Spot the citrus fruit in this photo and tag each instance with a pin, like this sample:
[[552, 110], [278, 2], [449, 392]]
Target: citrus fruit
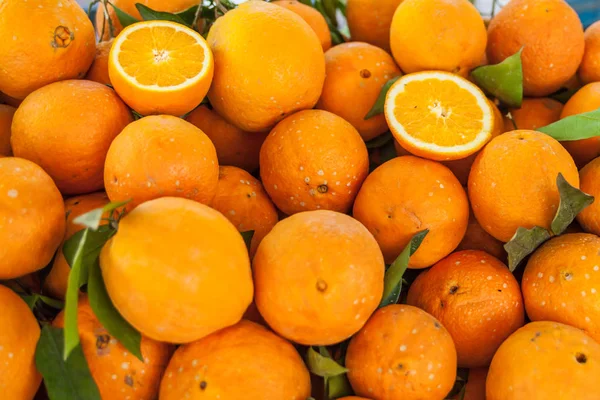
[[534, 113], [395, 205], [98, 72], [6, 117], [475, 387], [169, 263], [312, 17], [66, 128], [513, 182], [589, 69], [476, 238], [32, 217], [356, 72], [438, 115], [259, 82], [550, 55], [318, 277], [402, 352], [159, 156], [369, 22], [589, 176], [313, 160], [160, 67]]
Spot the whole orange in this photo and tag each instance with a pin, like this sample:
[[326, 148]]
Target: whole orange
[[545, 360], [514, 172], [318, 277], [370, 22], [356, 72], [32, 217], [173, 259], [589, 176], [6, 117], [395, 205], [476, 238], [98, 72], [67, 128], [313, 160], [550, 56], [312, 17], [534, 113], [159, 156], [259, 82], [589, 69], [402, 352]]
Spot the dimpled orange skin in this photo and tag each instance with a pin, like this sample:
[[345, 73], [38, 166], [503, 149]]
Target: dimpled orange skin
[[551, 35], [32, 217], [589, 218], [313, 160], [159, 156], [476, 238], [174, 259], [356, 72], [475, 389], [589, 70], [371, 23], [118, 374], [318, 277], [19, 378], [234, 146], [98, 72], [407, 195], [401, 353], [513, 182], [312, 17], [257, 83], [586, 99], [445, 35], [67, 128], [55, 283], [534, 113], [6, 117], [562, 280], [545, 360], [476, 298]]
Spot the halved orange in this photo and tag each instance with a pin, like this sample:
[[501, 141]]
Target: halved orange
[[438, 115], [160, 67]]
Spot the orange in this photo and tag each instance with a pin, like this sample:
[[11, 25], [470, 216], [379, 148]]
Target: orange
[[550, 56], [318, 277], [561, 282], [402, 352], [586, 99], [513, 182], [533, 114], [476, 238], [243, 200], [32, 218], [260, 366], [476, 298], [161, 156], [67, 128], [56, 282], [371, 23], [545, 360], [19, 378], [98, 72], [160, 67], [356, 72], [442, 35], [312, 17], [56, 43], [475, 387], [234, 146], [395, 205], [313, 160], [589, 218], [118, 374], [259, 82], [171, 261], [6, 117], [438, 115], [589, 69]]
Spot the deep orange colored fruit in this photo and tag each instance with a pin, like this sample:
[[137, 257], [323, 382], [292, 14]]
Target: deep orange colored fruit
[[318, 277], [394, 206], [589, 70], [67, 128], [476, 238], [174, 259], [476, 298], [475, 387], [545, 360], [161, 156], [312, 17], [313, 160], [356, 72], [6, 117], [533, 114], [371, 23], [98, 72], [402, 352], [589, 176]]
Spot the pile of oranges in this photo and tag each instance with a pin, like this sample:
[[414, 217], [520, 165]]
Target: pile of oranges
[[260, 219]]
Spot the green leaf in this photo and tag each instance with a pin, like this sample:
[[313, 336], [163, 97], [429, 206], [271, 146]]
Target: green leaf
[[124, 18], [92, 218], [338, 386], [523, 243], [575, 127], [188, 16], [380, 141], [392, 282], [32, 301], [70, 379], [572, 202], [248, 235], [94, 243], [323, 366], [378, 107], [149, 14], [504, 80]]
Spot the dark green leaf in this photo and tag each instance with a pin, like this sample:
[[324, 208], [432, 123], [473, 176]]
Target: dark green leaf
[[124, 18], [189, 15], [575, 127], [460, 384], [92, 218], [523, 243], [378, 107], [323, 365], [70, 379], [338, 386], [59, 305], [136, 115], [149, 14], [380, 141], [504, 80], [572, 202], [248, 235], [31, 300]]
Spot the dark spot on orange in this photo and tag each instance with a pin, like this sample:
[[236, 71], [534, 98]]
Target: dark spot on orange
[[400, 366], [321, 285], [248, 195], [128, 380], [581, 358], [203, 385], [537, 335], [453, 289], [115, 180], [102, 341], [442, 304], [62, 37], [322, 188], [437, 325], [365, 73]]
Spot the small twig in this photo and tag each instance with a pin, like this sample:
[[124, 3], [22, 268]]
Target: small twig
[[494, 2], [221, 7]]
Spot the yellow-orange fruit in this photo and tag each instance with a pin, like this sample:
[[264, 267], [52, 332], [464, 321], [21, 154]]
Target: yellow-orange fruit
[[98, 72], [534, 113], [6, 117], [312, 17], [370, 22], [476, 238], [589, 176], [589, 69]]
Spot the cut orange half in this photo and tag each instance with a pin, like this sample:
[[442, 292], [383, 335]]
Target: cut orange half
[[438, 115], [160, 67]]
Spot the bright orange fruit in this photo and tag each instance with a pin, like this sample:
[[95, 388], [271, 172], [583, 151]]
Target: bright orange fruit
[[98, 72], [370, 22], [589, 70], [312, 17], [589, 218]]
